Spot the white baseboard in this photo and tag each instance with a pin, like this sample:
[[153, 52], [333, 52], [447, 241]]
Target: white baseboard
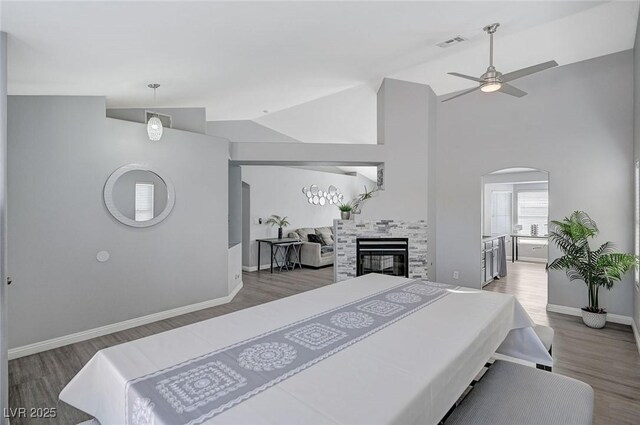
[[50, 344], [636, 334], [255, 268], [573, 311]]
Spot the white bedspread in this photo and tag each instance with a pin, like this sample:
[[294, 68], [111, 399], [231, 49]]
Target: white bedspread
[[410, 372]]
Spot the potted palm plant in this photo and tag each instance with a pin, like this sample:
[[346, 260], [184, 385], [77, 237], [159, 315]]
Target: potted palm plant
[[345, 211], [276, 220], [596, 268]]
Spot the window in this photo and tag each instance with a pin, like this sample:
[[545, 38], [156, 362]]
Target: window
[[533, 208], [144, 201], [500, 212]]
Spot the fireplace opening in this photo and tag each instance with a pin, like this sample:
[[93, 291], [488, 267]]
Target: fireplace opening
[[388, 256]]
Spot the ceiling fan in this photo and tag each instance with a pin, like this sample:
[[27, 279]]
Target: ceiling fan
[[492, 80]]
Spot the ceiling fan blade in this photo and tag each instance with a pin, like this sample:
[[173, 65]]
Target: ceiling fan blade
[[468, 77], [510, 76], [513, 91], [462, 94]]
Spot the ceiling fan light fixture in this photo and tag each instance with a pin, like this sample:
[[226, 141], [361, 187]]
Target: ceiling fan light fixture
[[491, 87], [493, 80]]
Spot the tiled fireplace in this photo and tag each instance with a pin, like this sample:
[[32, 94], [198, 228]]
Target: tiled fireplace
[[352, 236]]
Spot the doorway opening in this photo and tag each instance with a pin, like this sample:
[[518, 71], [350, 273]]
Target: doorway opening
[[306, 198], [515, 228]]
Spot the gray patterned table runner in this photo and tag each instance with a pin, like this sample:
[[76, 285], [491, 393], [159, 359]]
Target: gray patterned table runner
[[194, 391]]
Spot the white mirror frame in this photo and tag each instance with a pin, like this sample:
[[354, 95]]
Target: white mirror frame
[[108, 196]]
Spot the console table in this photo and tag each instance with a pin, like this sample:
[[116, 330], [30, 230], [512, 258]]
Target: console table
[[274, 242]]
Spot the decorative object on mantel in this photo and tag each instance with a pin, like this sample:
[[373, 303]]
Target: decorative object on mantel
[[154, 125], [345, 211], [362, 198], [602, 267], [315, 196], [279, 221]]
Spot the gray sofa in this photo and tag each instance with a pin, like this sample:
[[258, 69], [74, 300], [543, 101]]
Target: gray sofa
[[313, 254]]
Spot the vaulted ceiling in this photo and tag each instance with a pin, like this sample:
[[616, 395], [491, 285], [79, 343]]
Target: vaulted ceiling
[[239, 59]]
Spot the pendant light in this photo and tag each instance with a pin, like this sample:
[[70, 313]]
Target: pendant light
[[154, 125]]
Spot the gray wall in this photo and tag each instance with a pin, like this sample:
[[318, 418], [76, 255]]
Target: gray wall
[[58, 164], [576, 123], [246, 225], [4, 381], [407, 128], [636, 138], [187, 119], [235, 205], [305, 154], [245, 131], [403, 117]]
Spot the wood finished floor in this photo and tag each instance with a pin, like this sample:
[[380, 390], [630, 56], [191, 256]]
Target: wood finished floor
[[607, 359], [36, 381]]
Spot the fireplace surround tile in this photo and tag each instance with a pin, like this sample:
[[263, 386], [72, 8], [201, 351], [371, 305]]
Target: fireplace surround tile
[[348, 231]]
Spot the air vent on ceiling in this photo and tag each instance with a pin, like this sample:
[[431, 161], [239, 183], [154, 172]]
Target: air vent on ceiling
[[164, 118], [448, 43]]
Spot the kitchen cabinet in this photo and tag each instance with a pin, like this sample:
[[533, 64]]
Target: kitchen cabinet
[[490, 258]]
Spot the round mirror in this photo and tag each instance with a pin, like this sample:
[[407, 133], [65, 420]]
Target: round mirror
[[137, 196]]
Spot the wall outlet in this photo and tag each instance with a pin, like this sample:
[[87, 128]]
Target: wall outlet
[[456, 275]]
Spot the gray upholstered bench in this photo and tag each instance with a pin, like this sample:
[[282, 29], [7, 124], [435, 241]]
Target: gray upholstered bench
[[513, 394]]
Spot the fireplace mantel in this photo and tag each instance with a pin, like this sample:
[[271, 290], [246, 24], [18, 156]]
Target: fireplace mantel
[[347, 233]]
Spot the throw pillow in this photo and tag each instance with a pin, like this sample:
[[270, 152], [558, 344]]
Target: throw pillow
[[304, 232], [326, 233], [315, 239], [327, 238]]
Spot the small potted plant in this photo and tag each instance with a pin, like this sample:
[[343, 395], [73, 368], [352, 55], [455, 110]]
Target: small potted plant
[[345, 211], [596, 268], [279, 221]]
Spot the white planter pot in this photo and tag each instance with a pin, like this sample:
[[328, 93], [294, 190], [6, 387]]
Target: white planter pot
[[594, 320]]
